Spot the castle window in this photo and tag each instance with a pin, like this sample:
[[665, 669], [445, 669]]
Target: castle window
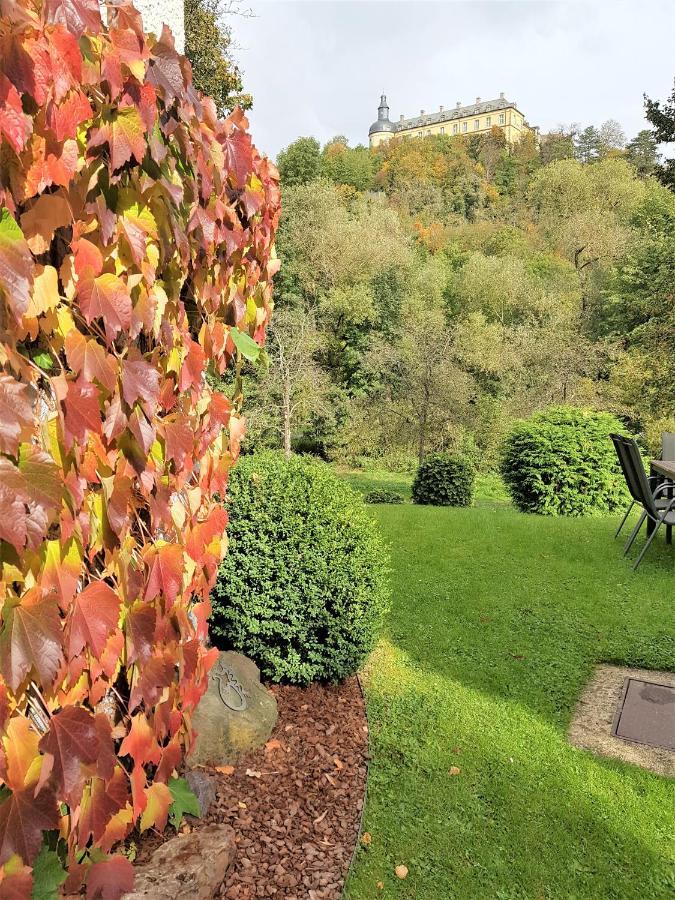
[[455, 128], [502, 118], [488, 120], [476, 124], [442, 130], [465, 125]]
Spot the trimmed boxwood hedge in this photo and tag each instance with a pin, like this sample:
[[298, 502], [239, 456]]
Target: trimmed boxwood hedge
[[561, 462], [383, 495], [304, 585], [444, 480]]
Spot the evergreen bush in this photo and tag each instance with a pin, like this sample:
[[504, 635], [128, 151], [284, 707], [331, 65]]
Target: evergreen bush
[[382, 495], [561, 462], [303, 587], [444, 480]]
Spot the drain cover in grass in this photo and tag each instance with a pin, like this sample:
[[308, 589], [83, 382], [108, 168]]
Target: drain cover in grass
[[646, 714]]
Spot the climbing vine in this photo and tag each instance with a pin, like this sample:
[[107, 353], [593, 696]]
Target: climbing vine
[[136, 251]]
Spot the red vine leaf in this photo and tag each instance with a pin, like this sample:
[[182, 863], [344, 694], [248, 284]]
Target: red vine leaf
[[140, 631], [65, 118], [101, 800], [16, 266], [110, 879], [13, 123], [106, 297], [71, 740], [95, 616], [23, 818], [30, 639], [140, 743], [140, 381], [89, 358], [16, 413], [166, 571], [76, 15], [82, 410]]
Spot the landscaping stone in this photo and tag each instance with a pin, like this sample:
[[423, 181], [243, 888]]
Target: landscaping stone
[[187, 866], [237, 713], [203, 787]]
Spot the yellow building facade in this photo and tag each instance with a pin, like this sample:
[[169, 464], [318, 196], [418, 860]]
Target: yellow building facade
[[476, 118]]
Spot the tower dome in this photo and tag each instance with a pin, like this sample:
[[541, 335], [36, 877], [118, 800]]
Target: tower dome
[[382, 125]]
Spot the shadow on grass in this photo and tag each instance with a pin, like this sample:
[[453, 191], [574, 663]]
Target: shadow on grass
[[526, 816], [523, 607]]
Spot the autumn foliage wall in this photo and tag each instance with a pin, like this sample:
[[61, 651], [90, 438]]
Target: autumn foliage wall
[[136, 249]]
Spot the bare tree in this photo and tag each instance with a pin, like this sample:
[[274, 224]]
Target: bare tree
[[294, 386]]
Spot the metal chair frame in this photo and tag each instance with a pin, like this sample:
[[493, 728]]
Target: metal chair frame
[[659, 511], [617, 440]]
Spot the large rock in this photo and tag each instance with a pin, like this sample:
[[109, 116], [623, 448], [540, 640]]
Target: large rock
[[188, 867], [203, 786], [235, 715]]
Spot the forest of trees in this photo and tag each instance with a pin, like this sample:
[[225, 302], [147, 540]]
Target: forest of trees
[[435, 289]]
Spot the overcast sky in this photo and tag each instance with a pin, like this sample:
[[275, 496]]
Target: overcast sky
[[318, 68]]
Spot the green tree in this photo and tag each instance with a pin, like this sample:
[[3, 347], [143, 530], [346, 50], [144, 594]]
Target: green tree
[[558, 144], [587, 144], [300, 162], [420, 391], [585, 211], [353, 166], [640, 310], [208, 46], [642, 153], [662, 118]]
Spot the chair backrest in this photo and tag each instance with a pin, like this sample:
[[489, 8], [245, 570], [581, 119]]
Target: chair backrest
[[624, 462], [668, 445], [630, 460]]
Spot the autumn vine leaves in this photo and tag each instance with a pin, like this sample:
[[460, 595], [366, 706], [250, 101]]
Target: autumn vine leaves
[[136, 249]]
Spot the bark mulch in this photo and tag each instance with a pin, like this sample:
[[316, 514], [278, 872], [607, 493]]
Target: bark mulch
[[296, 803]]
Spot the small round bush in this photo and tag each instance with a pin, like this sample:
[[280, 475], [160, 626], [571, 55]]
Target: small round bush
[[382, 495], [561, 462], [303, 587], [444, 480]]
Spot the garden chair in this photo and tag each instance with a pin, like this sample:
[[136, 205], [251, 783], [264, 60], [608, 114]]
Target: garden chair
[[657, 509], [617, 440], [668, 445]]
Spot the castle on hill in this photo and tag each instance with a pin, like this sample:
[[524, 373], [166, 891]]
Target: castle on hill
[[477, 118]]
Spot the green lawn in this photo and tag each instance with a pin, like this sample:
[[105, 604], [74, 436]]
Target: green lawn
[[498, 619]]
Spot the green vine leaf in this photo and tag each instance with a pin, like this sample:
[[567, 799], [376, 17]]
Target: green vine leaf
[[184, 801], [245, 344]]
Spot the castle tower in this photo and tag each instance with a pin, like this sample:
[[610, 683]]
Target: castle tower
[[383, 129]]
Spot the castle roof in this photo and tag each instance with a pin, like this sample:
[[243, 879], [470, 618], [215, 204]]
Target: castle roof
[[456, 112]]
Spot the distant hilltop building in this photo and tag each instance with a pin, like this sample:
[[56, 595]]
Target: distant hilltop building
[[477, 118]]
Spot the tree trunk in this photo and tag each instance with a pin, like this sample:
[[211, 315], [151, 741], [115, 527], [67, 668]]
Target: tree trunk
[[286, 412], [421, 447]]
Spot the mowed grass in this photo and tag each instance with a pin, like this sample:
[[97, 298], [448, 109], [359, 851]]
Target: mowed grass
[[497, 622]]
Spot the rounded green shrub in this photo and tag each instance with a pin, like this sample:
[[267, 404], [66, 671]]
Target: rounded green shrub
[[444, 480], [383, 495], [303, 587], [561, 462]]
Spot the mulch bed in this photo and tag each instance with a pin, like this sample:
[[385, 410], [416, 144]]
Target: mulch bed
[[295, 804]]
